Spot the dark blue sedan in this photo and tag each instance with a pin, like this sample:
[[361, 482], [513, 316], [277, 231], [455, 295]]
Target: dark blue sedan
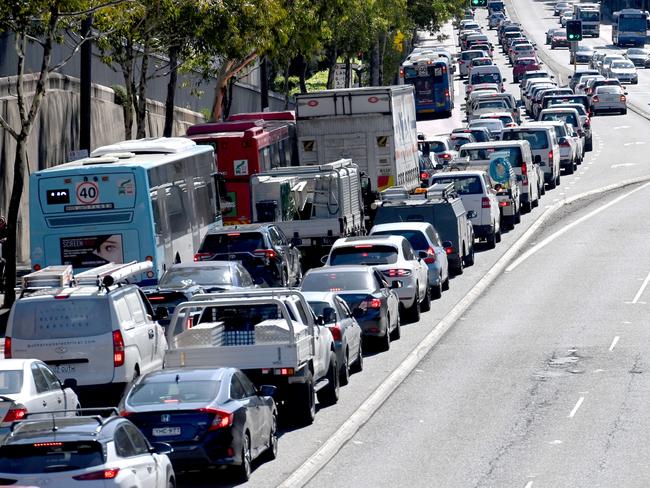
[[209, 416]]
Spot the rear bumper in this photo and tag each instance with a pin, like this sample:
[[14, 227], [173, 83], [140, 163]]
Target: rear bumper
[[213, 451], [483, 231]]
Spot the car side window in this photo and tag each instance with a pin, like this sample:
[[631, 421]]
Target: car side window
[[276, 240], [138, 441], [147, 305], [381, 282], [282, 236], [236, 388], [52, 380], [246, 279], [407, 250], [123, 445], [39, 380], [343, 308], [249, 389], [135, 308]]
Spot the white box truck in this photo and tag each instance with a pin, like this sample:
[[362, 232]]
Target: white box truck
[[374, 127]]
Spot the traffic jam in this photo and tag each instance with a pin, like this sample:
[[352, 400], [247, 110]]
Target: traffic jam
[[192, 297]]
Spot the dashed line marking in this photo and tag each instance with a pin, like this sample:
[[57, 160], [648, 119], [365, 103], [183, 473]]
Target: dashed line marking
[[613, 344], [577, 407]]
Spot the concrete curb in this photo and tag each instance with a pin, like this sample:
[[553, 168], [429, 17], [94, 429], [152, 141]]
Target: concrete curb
[[565, 73]]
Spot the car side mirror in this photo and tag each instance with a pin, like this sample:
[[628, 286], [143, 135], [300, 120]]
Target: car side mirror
[[320, 320], [161, 448], [537, 159], [162, 313], [471, 214], [268, 390], [624, 93], [258, 280], [323, 260], [357, 313], [447, 244], [69, 383], [396, 284]]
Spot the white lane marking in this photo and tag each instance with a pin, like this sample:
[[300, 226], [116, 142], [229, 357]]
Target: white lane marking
[[529, 484], [622, 165], [614, 342], [369, 407], [642, 289], [619, 127], [575, 409], [570, 226], [634, 143]]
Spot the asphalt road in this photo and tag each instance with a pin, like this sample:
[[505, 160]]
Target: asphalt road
[[489, 406]]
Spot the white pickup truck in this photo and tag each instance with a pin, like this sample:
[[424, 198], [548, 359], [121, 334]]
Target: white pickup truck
[[271, 334]]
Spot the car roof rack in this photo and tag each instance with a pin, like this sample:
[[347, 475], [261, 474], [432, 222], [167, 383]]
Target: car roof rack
[[101, 420], [112, 273], [49, 277]]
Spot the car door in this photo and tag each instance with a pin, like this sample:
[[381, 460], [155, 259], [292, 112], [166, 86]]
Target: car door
[[141, 336], [421, 270], [392, 302], [58, 399], [351, 327], [439, 250], [260, 424], [145, 466], [45, 398], [158, 344]]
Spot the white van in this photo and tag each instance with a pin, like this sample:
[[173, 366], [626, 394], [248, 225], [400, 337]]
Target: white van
[[87, 327], [486, 74]]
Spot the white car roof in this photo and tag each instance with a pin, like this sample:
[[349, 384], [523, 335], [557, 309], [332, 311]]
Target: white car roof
[[421, 226], [454, 174], [14, 364], [381, 241]]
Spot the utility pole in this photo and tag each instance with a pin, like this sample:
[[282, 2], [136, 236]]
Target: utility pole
[[85, 76]]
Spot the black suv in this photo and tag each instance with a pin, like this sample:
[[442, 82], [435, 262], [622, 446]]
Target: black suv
[[263, 249]]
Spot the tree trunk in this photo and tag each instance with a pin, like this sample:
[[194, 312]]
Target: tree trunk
[[302, 73], [348, 73], [228, 104], [286, 86], [332, 55], [141, 113], [382, 52], [375, 64], [171, 91]]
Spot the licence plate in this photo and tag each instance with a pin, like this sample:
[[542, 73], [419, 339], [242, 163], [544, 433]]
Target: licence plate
[[63, 368], [166, 431]]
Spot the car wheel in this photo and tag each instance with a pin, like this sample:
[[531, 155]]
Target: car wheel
[[384, 341], [589, 146], [329, 395], [469, 259], [425, 305], [445, 284], [542, 189], [243, 470], [171, 483], [272, 451], [436, 291], [304, 402], [344, 371], [397, 332], [569, 169], [526, 207], [357, 366], [557, 180], [552, 184], [492, 240], [517, 217], [624, 111], [413, 312]]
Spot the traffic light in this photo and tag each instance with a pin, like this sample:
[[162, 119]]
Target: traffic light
[[574, 30], [479, 3]]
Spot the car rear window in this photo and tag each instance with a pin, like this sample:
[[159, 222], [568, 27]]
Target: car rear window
[[210, 275], [370, 254], [61, 319], [415, 237], [232, 242], [336, 281], [10, 382], [478, 78], [464, 185], [166, 299], [569, 118], [512, 153], [437, 146], [50, 457], [173, 392], [538, 139], [609, 89]]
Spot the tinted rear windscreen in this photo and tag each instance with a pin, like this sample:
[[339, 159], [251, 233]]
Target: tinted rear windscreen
[[233, 242], [364, 254], [514, 154], [336, 281], [52, 458], [415, 237], [216, 275], [538, 139], [61, 318], [171, 392]]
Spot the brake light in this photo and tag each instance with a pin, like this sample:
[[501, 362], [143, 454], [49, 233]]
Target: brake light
[[267, 253], [371, 303], [431, 256], [104, 474], [623, 98], [444, 155], [550, 156], [118, 349], [201, 256], [395, 273], [504, 203], [155, 298], [14, 414], [424, 175], [363, 246], [7, 347], [524, 169], [587, 123], [336, 332], [125, 413], [595, 99], [485, 202], [449, 250], [48, 444], [446, 91], [221, 419]]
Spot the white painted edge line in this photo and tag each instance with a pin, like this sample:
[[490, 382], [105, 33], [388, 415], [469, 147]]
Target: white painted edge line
[[614, 342], [570, 226], [644, 285], [367, 409], [577, 406], [529, 484]]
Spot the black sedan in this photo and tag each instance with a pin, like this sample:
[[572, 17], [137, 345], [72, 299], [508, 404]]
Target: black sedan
[[170, 296], [372, 300], [210, 417]]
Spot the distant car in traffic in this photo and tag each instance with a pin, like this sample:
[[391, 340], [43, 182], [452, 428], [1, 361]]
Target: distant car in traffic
[[212, 276], [582, 55], [522, 65], [623, 71], [609, 98], [169, 297], [639, 56], [559, 39]]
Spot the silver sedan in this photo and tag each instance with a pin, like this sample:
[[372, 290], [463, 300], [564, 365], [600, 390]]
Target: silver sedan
[[609, 98]]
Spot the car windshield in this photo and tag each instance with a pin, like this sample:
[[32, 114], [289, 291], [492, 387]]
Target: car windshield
[[50, 457], [208, 275], [370, 254], [62, 319], [622, 64], [642, 52], [491, 124], [464, 185], [232, 242], [333, 280], [11, 382], [170, 391], [537, 139], [415, 237]]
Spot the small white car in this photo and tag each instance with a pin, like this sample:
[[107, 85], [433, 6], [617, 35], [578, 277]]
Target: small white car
[[28, 388], [394, 257], [479, 199], [624, 71]]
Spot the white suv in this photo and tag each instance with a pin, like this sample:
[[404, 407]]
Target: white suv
[[479, 199], [392, 256], [101, 335]]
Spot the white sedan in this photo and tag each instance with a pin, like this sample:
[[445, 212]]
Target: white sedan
[[28, 387]]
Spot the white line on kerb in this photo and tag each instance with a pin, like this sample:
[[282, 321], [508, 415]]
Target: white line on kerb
[[614, 342], [575, 409], [644, 285], [570, 226], [529, 484]]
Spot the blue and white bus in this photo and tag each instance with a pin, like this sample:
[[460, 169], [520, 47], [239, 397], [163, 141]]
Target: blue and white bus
[[433, 84], [146, 199], [629, 27]]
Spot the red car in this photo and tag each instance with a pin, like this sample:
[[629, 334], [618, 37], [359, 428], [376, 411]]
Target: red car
[[522, 65]]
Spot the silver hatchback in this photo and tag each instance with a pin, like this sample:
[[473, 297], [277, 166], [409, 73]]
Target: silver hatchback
[[609, 98]]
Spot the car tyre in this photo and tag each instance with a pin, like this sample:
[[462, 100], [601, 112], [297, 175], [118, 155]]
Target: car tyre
[[397, 332], [271, 452], [445, 284], [569, 170], [526, 207], [344, 371], [552, 184], [425, 305], [436, 290], [517, 217], [412, 314], [624, 111], [589, 146], [492, 240], [557, 180], [469, 258], [171, 483], [243, 470], [304, 402], [384, 341], [357, 366], [329, 395]]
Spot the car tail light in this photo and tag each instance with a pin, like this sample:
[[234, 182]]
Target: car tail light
[[267, 253], [504, 203], [623, 98], [118, 349], [104, 474], [446, 91], [550, 156], [125, 413], [424, 175], [7, 347], [373, 303], [17, 413], [524, 169], [485, 202], [336, 332], [221, 419], [395, 273], [449, 250], [595, 99], [445, 155], [587, 123], [511, 124], [431, 256], [201, 256]]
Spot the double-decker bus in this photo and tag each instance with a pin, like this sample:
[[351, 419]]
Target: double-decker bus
[[433, 84], [147, 199], [244, 145], [629, 26]]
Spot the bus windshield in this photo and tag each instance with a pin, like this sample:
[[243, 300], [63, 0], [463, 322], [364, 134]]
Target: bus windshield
[[634, 24], [590, 15]]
